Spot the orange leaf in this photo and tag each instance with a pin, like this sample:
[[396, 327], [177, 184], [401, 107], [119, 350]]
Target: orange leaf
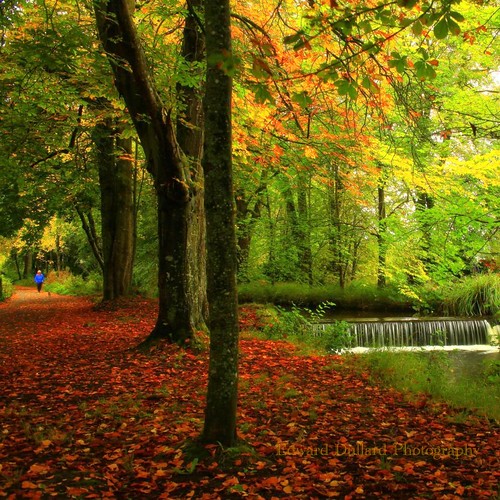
[[28, 485], [39, 469]]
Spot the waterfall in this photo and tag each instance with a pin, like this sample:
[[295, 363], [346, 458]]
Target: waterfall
[[417, 332]]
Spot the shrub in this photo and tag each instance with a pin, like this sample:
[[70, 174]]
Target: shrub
[[301, 326], [65, 283], [5, 288]]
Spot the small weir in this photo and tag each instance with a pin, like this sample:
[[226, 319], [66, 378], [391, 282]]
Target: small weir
[[401, 332]]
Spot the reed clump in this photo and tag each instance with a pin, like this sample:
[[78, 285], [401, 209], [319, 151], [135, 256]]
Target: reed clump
[[474, 296]]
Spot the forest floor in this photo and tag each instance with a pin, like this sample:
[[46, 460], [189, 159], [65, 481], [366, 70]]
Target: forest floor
[[85, 415]]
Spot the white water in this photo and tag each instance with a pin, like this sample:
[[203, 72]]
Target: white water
[[418, 333], [478, 349]]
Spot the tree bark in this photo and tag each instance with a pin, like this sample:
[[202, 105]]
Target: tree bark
[[381, 237], [28, 264], [304, 232], [336, 239], [220, 410], [180, 220], [116, 181]]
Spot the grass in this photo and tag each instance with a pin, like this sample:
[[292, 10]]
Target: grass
[[419, 373], [477, 295], [432, 374], [474, 296], [355, 296]]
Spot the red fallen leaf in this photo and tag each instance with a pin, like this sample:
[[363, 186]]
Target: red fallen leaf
[[76, 491], [270, 481], [38, 469], [28, 485], [230, 482]]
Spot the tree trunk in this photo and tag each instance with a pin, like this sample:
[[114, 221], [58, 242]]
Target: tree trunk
[[15, 256], [381, 237], [28, 264], [88, 225], [220, 410], [180, 216], [336, 239], [425, 202], [304, 232], [115, 162], [246, 218]]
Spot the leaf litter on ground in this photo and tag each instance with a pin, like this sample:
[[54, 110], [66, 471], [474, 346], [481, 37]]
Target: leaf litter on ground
[[85, 415]]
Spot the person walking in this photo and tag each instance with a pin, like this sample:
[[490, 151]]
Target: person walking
[[39, 279]]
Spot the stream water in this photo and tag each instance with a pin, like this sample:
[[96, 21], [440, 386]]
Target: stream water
[[404, 331], [466, 339]]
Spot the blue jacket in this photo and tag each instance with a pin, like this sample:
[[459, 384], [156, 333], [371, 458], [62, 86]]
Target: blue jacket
[[39, 278]]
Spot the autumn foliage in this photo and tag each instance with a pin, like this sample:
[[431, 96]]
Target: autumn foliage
[[85, 415]]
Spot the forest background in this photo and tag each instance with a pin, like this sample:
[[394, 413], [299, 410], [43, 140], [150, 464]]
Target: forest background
[[365, 148]]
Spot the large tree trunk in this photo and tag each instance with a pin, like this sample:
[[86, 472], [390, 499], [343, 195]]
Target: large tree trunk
[[180, 220], [190, 126], [116, 181], [220, 410]]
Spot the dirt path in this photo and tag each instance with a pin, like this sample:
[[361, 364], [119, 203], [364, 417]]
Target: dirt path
[[27, 305]]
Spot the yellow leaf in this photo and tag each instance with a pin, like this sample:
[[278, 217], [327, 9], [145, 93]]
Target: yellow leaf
[[310, 152]]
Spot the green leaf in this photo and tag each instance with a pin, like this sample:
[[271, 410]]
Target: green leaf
[[345, 87], [327, 73], [345, 26], [302, 99], [301, 43], [441, 29], [288, 40], [423, 53], [262, 94], [365, 26], [425, 71], [453, 26], [417, 28], [399, 62], [368, 84], [457, 16]]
